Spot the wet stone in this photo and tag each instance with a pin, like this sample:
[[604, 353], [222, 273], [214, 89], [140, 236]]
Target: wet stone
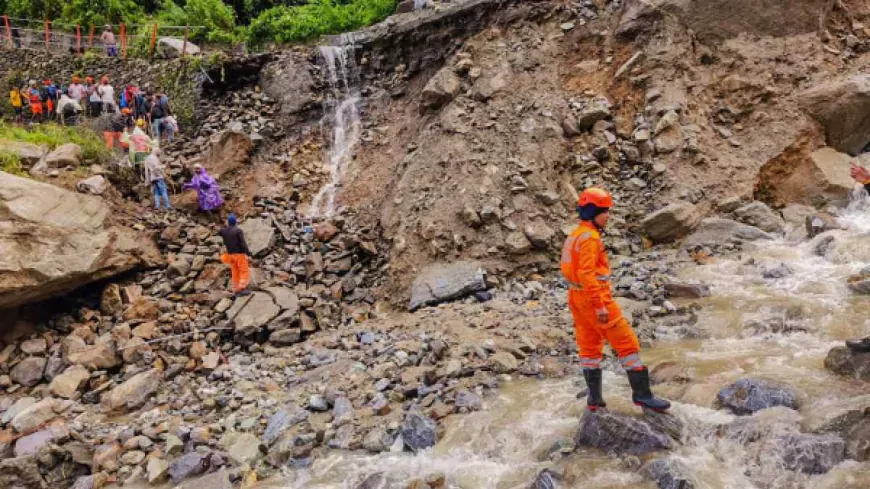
[[669, 473], [189, 465], [419, 432], [619, 434], [547, 479], [747, 396], [283, 420], [810, 454]]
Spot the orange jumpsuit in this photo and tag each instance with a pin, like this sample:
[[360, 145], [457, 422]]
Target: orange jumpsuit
[[239, 269], [585, 267]]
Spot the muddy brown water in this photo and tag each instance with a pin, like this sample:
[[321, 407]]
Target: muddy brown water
[[505, 445]]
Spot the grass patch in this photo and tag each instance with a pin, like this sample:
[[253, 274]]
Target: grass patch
[[52, 135], [10, 163]]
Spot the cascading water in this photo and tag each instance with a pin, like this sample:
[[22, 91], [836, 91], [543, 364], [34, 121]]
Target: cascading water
[[505, 445], [341, 112]]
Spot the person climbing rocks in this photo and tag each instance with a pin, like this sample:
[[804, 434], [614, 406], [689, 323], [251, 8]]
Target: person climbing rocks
[[159, 110], [597, 317], [35, 99], [207, 190], [236, 256], [140, 144], [16, 99], [155, 175]]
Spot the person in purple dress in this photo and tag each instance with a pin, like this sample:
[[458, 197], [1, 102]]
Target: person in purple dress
[[207, 189]]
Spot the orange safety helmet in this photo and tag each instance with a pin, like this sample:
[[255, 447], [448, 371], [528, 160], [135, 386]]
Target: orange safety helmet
[[597, 197], [125, 111], [75, 79], [89, 79]]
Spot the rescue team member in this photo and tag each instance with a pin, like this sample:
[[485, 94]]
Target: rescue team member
[[16, 99], [236, 256], [35, 99], [597, 316]]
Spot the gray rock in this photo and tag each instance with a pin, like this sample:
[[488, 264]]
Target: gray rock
[[686, 291], [21, 473], [758, 214], [547, 479], [214, 480], [285, 337], [19, 406], [68, 383], [157, 470], [504, 362], [619, 434], [342, 411], [253, 312], [715, 231], [283, 420], [441, 88], [842, 107], [318, 403], [285, 299], [810, 454], [843, 361], [69, 154], [259, 234], [747, 396], [671, 223], [35, 415], [35, 346], [29, 154], [29, 371], [445, 282], [178, 268], [70, 240], [95, 185], [419, 432], [539, 234], [377, 440], [243, 448], [374, 481], [670, 473], [134, 392], [517, 243], [468, 400], [596, 110], [188, 465], [173, 47]]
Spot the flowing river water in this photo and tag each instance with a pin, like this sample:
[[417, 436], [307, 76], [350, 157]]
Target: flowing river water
[[505, 445]]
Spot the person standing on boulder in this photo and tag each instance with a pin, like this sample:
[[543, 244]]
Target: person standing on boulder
[[597, 317], [236, 256]]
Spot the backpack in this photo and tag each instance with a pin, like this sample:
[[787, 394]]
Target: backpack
[[44, 94], [158, 111]]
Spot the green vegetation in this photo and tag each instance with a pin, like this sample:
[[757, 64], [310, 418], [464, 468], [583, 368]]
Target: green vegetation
[[10, 163], [52, 136], [225, 21], [317, 18]]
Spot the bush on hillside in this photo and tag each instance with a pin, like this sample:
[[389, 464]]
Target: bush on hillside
[[316, 18], [217, 17]]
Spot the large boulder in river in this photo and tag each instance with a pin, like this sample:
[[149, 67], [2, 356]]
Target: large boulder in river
[[810, 454], [843, 109], [844, 361], [670, 473], [806, 176], [715, 231], [758, 214], [671, 223], [850, 419], [53, 241], [419, 432], [445, 282], [747, 396], [619, 434]]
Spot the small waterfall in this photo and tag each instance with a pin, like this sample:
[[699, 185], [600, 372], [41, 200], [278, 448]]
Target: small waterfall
[[341, 110]]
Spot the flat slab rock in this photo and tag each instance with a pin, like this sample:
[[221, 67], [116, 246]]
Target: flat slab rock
[[747, 396], [619, 434], [445, 282]]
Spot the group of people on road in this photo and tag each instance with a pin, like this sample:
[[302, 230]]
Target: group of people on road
[[66, 103]]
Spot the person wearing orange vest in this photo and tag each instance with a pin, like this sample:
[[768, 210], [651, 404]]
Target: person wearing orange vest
[[597, 317], [35, 99]]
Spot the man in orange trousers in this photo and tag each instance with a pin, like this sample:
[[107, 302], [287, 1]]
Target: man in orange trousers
[[597, 317], [236, 256]]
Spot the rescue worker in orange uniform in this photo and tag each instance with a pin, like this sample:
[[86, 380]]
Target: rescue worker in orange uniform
[[597, 317], [236, 256]]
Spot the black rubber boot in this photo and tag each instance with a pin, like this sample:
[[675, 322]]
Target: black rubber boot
[[862, 345], [641, 393], [594, 397]]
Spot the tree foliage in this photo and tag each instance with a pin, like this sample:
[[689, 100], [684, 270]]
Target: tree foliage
[[279, 21]]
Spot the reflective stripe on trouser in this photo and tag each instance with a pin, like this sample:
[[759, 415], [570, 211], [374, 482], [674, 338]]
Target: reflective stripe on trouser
[[590, 362], [239, 267], [590, 334], [631, 362]]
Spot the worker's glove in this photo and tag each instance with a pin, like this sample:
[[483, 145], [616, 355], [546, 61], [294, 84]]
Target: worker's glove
[[602, 315]]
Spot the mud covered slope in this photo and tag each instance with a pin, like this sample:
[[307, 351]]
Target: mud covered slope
[[479, 156]]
